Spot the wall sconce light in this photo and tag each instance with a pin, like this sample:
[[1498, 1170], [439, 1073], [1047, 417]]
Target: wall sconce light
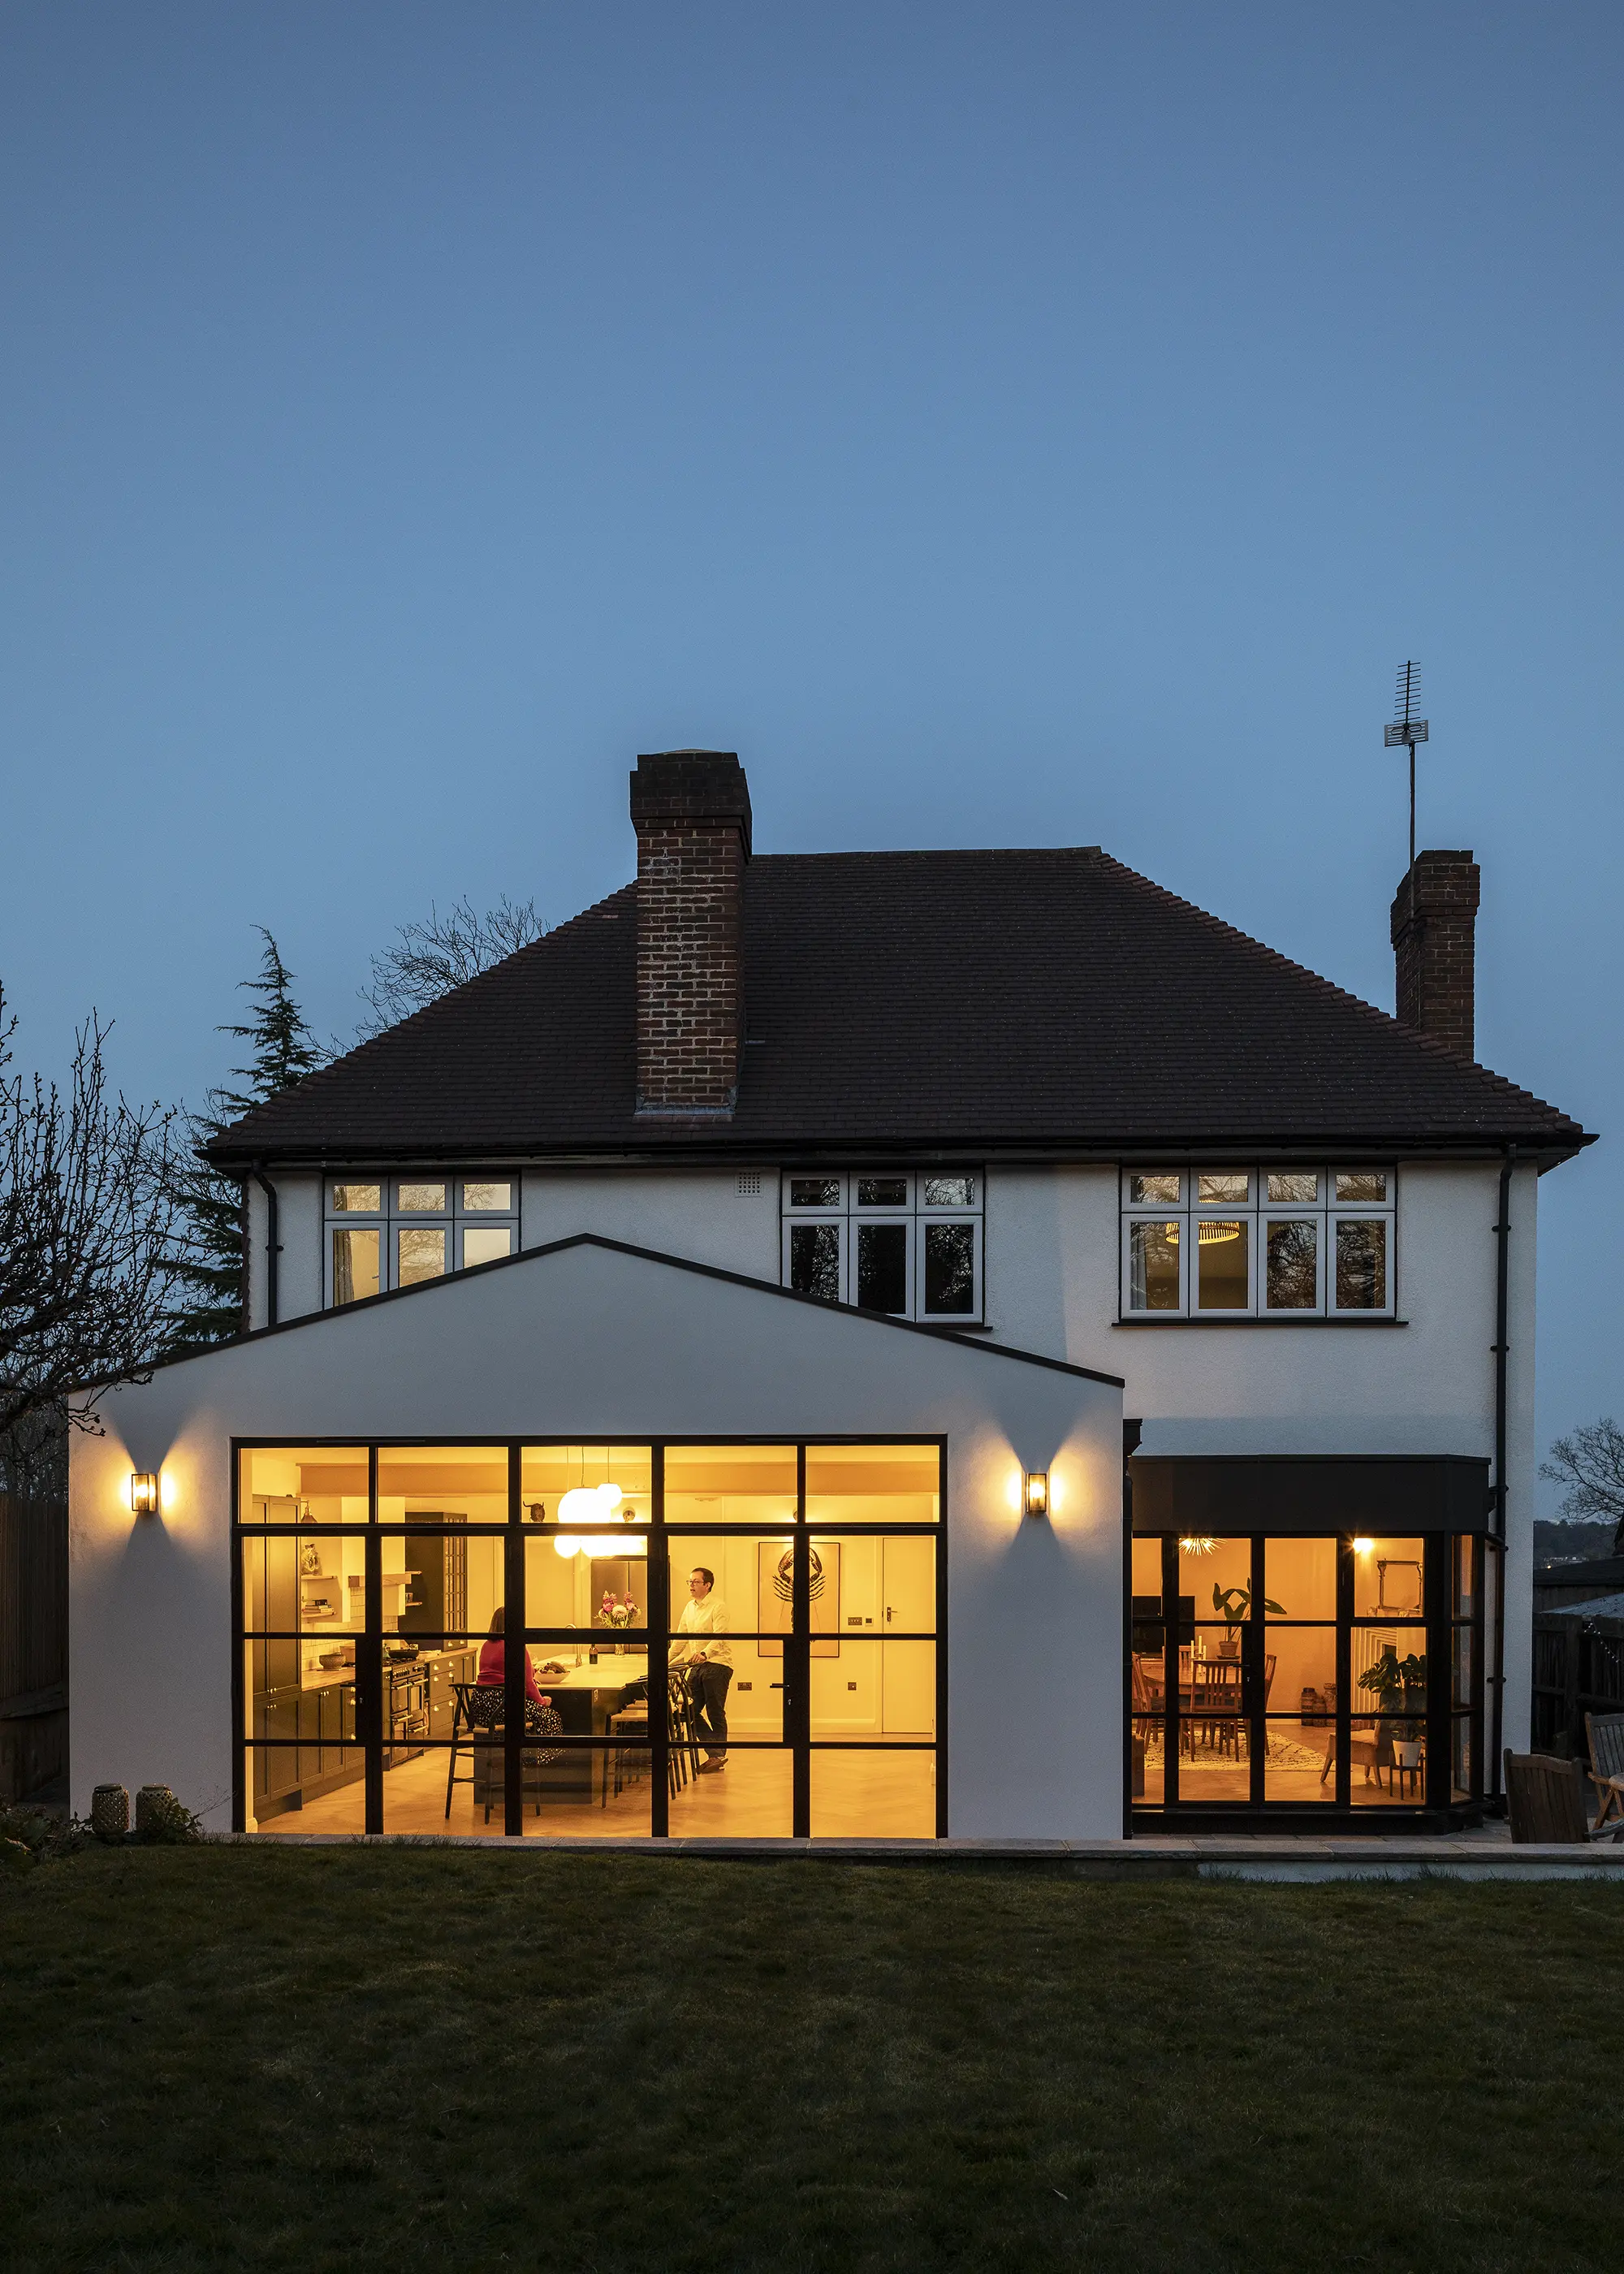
[[1034, 1491], [143, 1493]]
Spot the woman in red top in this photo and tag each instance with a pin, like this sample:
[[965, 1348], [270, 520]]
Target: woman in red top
[[488, 1701]]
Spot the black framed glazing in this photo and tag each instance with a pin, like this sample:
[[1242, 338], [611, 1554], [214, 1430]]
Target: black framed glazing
[[370, 1721], [1449, 1780]]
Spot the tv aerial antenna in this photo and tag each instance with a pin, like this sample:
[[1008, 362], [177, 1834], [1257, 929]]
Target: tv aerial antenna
[[1407, 728]]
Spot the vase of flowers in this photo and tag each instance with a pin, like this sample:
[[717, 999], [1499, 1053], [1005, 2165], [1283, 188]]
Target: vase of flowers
[[616, 1611]]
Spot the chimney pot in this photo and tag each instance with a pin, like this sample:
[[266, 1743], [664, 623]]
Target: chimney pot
[[1433, 926], [691, 809]]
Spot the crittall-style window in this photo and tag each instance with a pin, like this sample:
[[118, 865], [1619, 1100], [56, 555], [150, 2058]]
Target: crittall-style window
[[1306, 1674], [1242, 1243], [391, 1231], [732, 1639], [905, 1242]]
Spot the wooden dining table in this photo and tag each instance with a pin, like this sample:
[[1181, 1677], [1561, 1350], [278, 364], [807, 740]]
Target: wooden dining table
[[1209, 1691]]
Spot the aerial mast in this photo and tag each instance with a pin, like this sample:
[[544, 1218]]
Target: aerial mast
[[1407, 728]]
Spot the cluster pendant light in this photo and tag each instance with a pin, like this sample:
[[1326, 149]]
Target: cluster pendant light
[[596, 1504]]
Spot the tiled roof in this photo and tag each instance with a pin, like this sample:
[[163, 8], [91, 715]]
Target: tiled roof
[[1050, 1001]]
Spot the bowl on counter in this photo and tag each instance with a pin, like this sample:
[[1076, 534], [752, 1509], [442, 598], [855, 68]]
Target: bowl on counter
[[330, 1658]]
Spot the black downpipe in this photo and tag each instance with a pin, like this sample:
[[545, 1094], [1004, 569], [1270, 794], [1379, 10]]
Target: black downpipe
[[273, 1240], [1502, 1354]]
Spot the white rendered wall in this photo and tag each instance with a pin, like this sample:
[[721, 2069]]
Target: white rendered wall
[[698, 1213], [1052, 1250], [1427, 1387], [299, 1274], [591, 1343]]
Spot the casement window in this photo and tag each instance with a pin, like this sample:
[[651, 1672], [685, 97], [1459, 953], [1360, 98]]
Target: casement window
[[393, 1232], [1238, 1243], [907, 1242]]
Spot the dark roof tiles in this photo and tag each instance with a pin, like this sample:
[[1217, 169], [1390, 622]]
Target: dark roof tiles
[[1052, 1000]]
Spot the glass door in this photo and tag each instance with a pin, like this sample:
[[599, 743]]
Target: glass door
[[724, 1640], [803, 1672], [1303, 1672]]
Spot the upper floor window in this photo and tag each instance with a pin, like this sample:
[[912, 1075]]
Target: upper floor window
[[393, 1232], [1258, 1243], [907, 1242]]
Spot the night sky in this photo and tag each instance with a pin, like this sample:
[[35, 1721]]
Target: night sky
[[1001, 424]]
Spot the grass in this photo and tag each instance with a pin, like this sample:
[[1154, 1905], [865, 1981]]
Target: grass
[[344, 2058]]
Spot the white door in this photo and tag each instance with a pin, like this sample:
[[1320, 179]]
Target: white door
[[909, 1688]]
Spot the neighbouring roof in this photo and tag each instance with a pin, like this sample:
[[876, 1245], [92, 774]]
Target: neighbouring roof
[[1051, 1001], [1594, 1607]]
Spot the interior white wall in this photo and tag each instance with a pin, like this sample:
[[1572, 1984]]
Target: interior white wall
[[588, 1342]]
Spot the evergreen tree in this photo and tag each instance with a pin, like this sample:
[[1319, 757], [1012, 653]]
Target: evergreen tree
[[207, 1259], [284, 1049]]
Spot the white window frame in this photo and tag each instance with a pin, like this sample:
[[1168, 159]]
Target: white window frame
[[848, 1214], [1164, 1214], [1325, 1212], [1229, 1212], [390, 1219], [1341, 1211], [1291, 1212]]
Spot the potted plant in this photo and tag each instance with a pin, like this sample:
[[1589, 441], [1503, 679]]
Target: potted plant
[[1386, 1681], [1412, 1728], [1233, 1605]]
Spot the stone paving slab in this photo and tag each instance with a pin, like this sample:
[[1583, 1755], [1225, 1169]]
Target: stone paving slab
[[1375, 1858]]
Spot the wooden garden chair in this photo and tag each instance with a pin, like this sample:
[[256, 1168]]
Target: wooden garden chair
[[1604, 1737], [1546, 1799]]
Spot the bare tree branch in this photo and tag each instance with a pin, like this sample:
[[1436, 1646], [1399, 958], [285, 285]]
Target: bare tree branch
[[85, 1220], [1590, 1464], [429, 959]]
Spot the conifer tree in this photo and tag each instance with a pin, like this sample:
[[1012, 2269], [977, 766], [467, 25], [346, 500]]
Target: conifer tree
[[208, 1258]]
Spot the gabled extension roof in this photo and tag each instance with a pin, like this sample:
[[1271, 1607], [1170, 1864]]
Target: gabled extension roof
[[1048, 1003]]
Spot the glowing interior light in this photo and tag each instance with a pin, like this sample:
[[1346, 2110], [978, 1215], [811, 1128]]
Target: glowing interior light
[[580, 1504], [1363, 1547]]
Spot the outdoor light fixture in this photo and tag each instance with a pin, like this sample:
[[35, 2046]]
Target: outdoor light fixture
[[144, 1493], [1034, 1493]]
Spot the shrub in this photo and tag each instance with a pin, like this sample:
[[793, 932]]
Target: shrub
[[166, 1822], [43, 1834]]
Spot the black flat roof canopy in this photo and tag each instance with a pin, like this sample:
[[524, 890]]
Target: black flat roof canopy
[[1379, 1495]]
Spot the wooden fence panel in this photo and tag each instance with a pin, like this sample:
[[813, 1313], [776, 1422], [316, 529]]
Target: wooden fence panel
[[33, 1644], [1578, 1669]]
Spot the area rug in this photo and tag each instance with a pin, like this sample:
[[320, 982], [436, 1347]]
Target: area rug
[[1283, 1753]]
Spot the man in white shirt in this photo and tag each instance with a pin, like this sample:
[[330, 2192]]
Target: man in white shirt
[[710, 1667]]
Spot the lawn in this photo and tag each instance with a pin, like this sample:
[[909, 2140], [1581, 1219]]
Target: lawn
[[372, 2059]]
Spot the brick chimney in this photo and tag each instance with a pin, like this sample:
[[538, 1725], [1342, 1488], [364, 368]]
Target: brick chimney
[[691, 809], [1433, 947]]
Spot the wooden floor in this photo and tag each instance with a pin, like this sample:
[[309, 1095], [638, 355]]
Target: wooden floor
[[1206, 1774], [854, 1796]]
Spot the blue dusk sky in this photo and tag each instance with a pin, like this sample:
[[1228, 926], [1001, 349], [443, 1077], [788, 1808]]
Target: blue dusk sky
[[1008, 424]]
